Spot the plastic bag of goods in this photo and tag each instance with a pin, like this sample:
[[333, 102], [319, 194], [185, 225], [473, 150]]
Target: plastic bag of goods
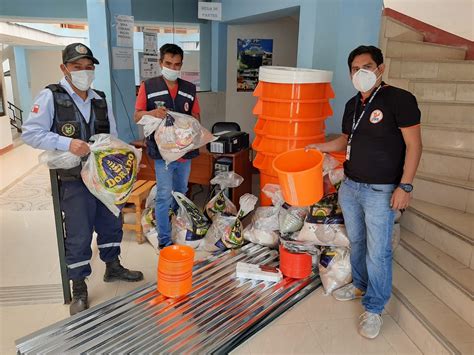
[[263, 228], [57, 159], [149, 226], [190, 225], [176, 134], [226, 230], [324, 224], [151, 198], [220, 203], [334, 268], [333, 174], [296, 246], [111, 170]]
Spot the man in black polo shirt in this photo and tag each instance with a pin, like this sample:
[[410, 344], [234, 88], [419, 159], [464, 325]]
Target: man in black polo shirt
[[382, 139]]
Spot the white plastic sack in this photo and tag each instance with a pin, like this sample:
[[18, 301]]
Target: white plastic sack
[[334, 268], [111, 170], [324, 224], [291, 218], [176, 134], [150, 200], [57, 159], [264, 227], [190, 225]]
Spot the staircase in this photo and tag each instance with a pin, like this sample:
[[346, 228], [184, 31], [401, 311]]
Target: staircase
[[433, 276]]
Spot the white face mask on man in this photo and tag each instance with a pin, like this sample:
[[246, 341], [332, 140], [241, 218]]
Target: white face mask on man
[[364, 80], [82, 79], [170, 74]]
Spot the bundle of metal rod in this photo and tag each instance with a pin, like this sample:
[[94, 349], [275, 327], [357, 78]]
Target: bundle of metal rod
[[218, 314]]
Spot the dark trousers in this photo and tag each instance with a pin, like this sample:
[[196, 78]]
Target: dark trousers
[[83, 214]]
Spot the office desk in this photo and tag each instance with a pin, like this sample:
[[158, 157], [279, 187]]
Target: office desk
[[202, 169]]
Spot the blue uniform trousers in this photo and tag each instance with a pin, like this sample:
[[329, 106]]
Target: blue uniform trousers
[[83, 214]]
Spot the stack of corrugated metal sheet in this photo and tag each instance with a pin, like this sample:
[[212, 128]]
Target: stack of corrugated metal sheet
[[220, 312]]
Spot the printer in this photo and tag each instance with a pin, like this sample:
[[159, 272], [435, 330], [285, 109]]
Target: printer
[[229, 142]]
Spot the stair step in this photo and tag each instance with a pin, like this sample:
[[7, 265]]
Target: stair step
[[431, 325], [448, 136], [446, 112], [461, 70], [401, 32], [442, 90], [423, 50], [448, 163], [463, 184], [447, 229], [444, 276]]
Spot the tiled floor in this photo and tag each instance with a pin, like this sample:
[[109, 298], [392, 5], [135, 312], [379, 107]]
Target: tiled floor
[[318, 324]]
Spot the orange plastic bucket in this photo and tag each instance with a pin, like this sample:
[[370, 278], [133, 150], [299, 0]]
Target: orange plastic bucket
[[300, 174], [295, 265], [289, 128], [175, 267], [276, 145], [175, 289], [293, 91], [293, 109]]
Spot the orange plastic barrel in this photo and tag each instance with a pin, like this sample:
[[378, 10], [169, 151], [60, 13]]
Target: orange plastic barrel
[[292, 108], [293, 91], [289, 129], [295, 265], [175, 267], [300, 174], [277, 145], [266, 179]]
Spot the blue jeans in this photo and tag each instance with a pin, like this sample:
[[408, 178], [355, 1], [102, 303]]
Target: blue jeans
[[369, 222], [172, 178]]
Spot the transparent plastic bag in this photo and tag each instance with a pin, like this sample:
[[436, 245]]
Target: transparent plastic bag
[[263, 228], [226, 230], [111, 170], [334, 268], [324, 224], [149, 124], [296, 246], [395, 236], [57, 159], [220, 203], [150, 200], [291, 218], [148, 220], [190, 225], [178, 134]]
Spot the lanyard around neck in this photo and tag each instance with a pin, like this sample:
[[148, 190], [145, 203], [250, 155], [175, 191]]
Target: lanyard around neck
[[355, 123]]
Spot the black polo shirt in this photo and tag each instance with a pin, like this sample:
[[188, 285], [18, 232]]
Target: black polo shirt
[[378, 148]]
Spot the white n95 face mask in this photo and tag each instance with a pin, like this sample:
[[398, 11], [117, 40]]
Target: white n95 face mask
[[364, 80], [170, 74], [82, 79]]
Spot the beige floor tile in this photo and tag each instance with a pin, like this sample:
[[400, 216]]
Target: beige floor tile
[[466, 348], [397, 338], [318, 306], [285, 339], [294, 315], [242, 349], [340, 336], [16, 163]]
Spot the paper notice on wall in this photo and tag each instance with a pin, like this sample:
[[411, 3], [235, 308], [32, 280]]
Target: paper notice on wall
[[122, 58], [124, 29], [210, 10], [149, 43], [149, 66]]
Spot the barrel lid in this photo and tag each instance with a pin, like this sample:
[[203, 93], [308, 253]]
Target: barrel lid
[[290, 75]]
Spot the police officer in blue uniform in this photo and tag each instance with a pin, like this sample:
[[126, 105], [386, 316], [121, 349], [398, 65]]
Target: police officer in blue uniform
[[63, 117]]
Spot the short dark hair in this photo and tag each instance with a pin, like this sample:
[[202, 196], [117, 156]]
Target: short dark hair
[[374, 52], [172, 49]]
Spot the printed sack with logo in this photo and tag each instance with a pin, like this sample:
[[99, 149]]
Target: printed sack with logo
[[111, 170]]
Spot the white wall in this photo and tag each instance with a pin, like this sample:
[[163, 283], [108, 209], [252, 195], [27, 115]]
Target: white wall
[[44, 69], [455, 16], [284, 33]]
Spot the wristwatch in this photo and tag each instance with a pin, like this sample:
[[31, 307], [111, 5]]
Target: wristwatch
[[406, 187]]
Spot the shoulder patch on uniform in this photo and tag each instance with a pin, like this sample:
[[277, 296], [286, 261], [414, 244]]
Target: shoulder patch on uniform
[[186, 106], [376, 116], [68, 129], [35, 108]]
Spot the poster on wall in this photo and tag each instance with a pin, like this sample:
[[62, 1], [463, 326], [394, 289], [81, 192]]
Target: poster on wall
[[149, 43], [149, 66], [251, 55], [124, 28]]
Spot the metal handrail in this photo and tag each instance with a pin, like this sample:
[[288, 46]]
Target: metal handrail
[[16, 121]]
